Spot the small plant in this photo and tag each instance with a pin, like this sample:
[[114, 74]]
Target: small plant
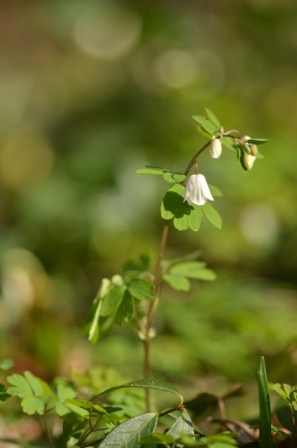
[[94, 413]]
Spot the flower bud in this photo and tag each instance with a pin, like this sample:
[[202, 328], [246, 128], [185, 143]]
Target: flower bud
[[254, 149], [248, 161], [215, 148], [197, 190]]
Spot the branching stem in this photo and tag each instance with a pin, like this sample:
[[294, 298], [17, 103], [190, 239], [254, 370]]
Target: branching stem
[[157, 281]]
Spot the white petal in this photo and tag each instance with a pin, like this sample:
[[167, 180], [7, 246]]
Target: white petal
[[197, 190], [205, 188]]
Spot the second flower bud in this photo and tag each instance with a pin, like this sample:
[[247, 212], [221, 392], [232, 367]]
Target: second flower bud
[[215, 148]]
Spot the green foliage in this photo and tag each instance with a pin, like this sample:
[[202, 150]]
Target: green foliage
[[3, 394], [117, 416], [130, 432], [265, 438], [116, 298], [169, 176], [6, 364], [145, 384], [177, 274], [186, 216], [208, 125], [34, 393]]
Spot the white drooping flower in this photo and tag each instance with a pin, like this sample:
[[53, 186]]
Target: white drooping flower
[[197, 190], [215, 148]]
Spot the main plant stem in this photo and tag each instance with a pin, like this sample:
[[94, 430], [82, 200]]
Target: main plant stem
[[157, 281], [151, 310]]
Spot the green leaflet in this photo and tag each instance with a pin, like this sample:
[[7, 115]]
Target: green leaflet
[[145, 384], [126, 310], [213, 118], [184, 215], [193, 269], [141, 289], [179, 273], [130, 432], [177, 282], [112, 300], [212, 215], [168, 175], [182, 425]]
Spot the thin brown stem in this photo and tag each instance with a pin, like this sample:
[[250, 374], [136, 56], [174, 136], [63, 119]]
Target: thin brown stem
[[231, 131], [151, 310], [193, 160], [157, 281]]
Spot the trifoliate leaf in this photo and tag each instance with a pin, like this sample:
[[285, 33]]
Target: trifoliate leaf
[[184, 215], [34, 392], [173, 206], [126, 310], [212, 215], [141, 289]]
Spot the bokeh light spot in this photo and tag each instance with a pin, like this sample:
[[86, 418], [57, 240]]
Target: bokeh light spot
[[107, 33], [25, 159], [176, 68], [259, 225]]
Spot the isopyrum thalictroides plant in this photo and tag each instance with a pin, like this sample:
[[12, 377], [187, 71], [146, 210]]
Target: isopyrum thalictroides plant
[[93, 411]]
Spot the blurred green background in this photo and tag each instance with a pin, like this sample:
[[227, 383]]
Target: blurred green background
[[89, 92]]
